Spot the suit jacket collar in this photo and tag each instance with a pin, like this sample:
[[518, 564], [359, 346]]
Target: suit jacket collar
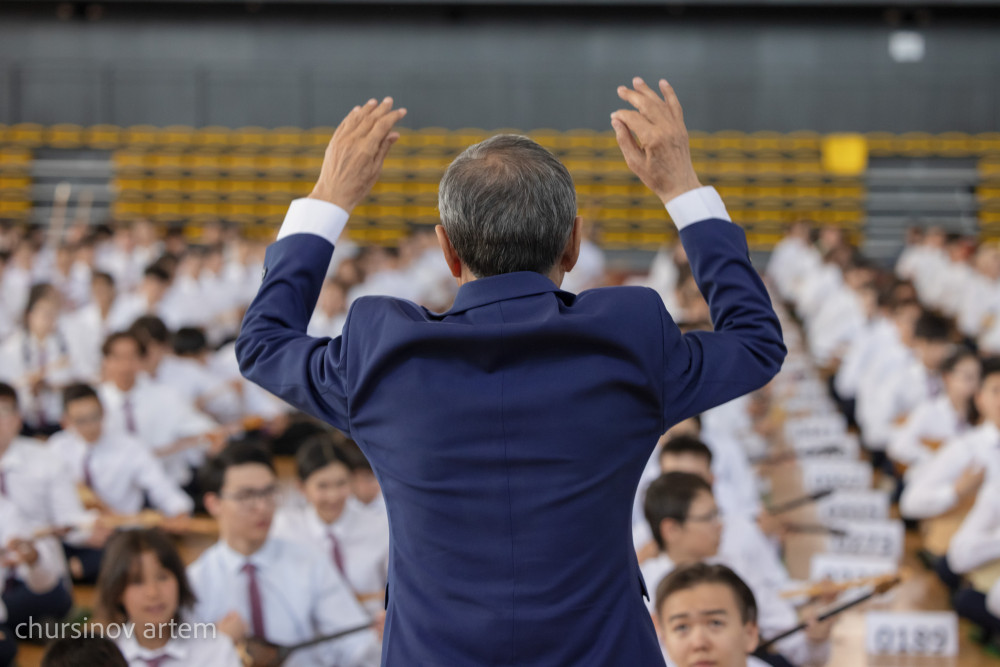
[[505, 286]]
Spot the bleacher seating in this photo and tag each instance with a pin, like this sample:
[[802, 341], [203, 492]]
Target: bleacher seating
[[180, 174]]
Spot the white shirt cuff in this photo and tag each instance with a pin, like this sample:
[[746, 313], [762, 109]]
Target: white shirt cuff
[[696, 205], [314, 216]]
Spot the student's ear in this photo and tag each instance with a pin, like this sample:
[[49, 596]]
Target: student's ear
[[450, 256], [751, 637], [212, 501], [668, 529]]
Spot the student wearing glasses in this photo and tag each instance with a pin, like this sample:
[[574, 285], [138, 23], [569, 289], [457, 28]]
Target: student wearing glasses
[[686, 525], [255, 585]]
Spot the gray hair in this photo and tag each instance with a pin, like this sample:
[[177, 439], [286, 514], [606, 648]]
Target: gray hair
[[507, 205]]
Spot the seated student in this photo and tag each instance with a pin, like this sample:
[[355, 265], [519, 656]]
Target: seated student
[[364, 484], [187, 371], [159, 416], [685, 521], [38, 489], [941, 418], [35, 360], [115, 467], [277, 590], [974, 552], [358, 544], [89, 326], [952, 477], [742, 539], [143, 585], [31, 574], [83, 652], [894, 393], [707, 615]]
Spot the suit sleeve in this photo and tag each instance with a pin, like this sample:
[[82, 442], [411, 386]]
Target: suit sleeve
[[273, 348], [705, 369]]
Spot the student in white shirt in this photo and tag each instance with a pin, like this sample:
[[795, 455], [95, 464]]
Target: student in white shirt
[[144, 588], [157, 415], [89, 326], [953, 476], [685, 521], [357, 542], [262, 586], [899, 388], [939, 419], [116, 467], [31, 572], [148, 299], [32, 479], [36, 361], [742, 539], [707, 615], [976, 546]]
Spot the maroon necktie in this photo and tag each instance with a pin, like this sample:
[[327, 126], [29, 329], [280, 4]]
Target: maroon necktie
[[39, 399], [256, 609], [129, 415], [88, 478], [3, 482], [338, 556]]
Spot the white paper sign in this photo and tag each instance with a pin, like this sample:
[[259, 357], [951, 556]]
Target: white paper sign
[[824, 426], [869, 538], [843, 567], [869, 505], [911, 633], [835, 474]]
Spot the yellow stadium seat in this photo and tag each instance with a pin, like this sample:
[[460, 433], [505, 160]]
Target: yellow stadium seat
[[987, 143], [845, 153], [318, 138], [213, 136], [881, 143], [765, 141], [15, 158], [283, 137], [915, 144], [142, 135], [803, 141], [65, 135], [26, 134], [727, 140], [104, 137], [178, 136], [954, 144], [252, 137]]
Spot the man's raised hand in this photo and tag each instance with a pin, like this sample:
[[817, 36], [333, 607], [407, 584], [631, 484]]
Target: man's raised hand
[[354, 156], [658, 153]]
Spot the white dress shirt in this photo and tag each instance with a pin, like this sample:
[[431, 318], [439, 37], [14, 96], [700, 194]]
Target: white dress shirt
[[89, 331], [935, 419], [872, 339], [362, 537], [22, 354], [930, 491], [41, 576], [205, 648], [120, 469], [977, 542], [835, 325], [301, 594], [39, 485], [161, 416]]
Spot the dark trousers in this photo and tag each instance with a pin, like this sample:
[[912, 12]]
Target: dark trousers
[[8, 646], [773, 659], [90, 561], [971, 604], [24, 605], [946, 575]]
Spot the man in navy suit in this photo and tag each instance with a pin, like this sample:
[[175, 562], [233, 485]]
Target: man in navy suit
[[509, 433]]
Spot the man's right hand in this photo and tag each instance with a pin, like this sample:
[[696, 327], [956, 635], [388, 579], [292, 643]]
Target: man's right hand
[[354, 156], [662, 156]]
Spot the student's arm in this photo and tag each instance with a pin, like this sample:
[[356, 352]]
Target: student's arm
[[932, 490], [163, 492], [335, 608], [977, 542], [273, 348], [746, 350], [904, 444]]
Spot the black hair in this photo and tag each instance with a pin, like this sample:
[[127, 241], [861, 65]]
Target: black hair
[[317, 452], [686, 444], [37, 294], [102, 276], [991, 366], [669, 496], [688, 576], [212, 475], [110, 341], [157, 272], [932, 327], [84, 651], [8, 392], [189, 342], [77, 392], [150, 329]]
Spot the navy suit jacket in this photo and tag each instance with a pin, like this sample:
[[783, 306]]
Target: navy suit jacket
[[509, 434]]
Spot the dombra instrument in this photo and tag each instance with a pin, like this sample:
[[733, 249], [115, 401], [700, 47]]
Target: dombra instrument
[[257, 652]]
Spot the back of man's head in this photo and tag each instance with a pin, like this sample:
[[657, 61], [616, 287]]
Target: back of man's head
[[507, 205]]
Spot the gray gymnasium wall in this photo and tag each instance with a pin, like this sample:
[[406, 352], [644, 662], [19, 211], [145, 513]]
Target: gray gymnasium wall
[[549, 69]]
